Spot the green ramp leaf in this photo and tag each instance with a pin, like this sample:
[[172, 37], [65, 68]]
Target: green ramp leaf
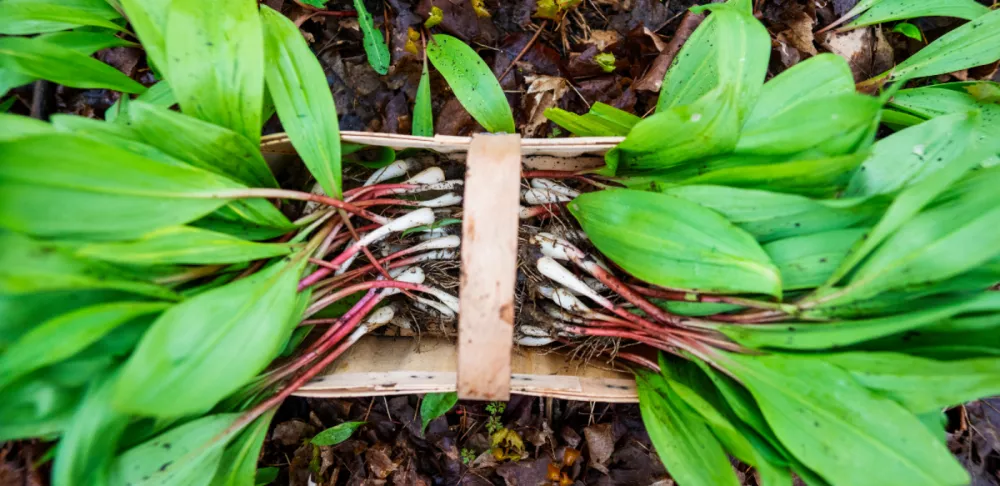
[[911, 200], [149, 19], [602, 120], [815, 336], [63, 336], [707, 127], [692, 454], [204, 145], [37, 59], [70, 186], [336, 434], [889, 10], [158, 94], [238, 466], [375, 47], [28, 266], [920, 384], [186, 455], [24, 17], [216, 62], [87, 447], [729, 49], [815, 78], [203, 349], [847, 434], [910, 155], [423, 117], [807, 261], [770, 216], [435, 405], [674, 243], [474, 84], [182, 245], [970, 45], [303, 100]]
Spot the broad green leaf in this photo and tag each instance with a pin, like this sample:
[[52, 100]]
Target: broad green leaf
[[910, 30], [303, 100], [186, 455], [912, 199], [804, 126], [423, 117], [730, 49], [685, 444], [182, 245], [24, 17], [475, 86], [814, 336], [238, 466], [970, 45], [847, 434], [898, 120], [692, 386], [37, 407], [28, 266], [920, 384], [114, 134], [815, 78], [696, 308], [375, 47], [87, 447], [952, 339], [889, 10], [707, 127], [674, 243], [70, 186], [38, 59], [85, 42], [201, 144], [807, 261], [435, 405], [602, 120], [770, 216], [248, 219], [65, 335], [203, 349], [935, 100], [941, 242], [149, 20], [336, 434], [158, 94], [266, 475], [23, 312], [822, 177], [910, 155], [216, 62], [16, 126]]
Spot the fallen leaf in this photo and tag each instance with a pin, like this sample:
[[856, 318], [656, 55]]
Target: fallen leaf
[[544, 92], [292, 432], [602, 39], [600, 445], [653, 78], [800, 33]]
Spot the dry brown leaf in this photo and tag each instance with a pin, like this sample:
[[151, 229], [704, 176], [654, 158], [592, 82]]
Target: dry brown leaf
[[800, 34], [543, 92], [604, 38], [600, 445]]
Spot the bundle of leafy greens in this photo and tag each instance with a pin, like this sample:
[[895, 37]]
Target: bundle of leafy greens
[[819, 296]]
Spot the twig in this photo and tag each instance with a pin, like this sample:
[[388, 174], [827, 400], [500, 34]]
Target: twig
[[523, 51]]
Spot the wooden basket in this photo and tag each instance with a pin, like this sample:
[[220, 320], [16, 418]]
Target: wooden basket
[[482, 363]]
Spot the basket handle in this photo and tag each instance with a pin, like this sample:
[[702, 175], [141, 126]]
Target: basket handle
[[489, 266]]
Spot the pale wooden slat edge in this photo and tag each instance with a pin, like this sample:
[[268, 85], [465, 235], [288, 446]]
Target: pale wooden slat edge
[[489, 266], [565, 147], [613, 390], [397, 366]]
